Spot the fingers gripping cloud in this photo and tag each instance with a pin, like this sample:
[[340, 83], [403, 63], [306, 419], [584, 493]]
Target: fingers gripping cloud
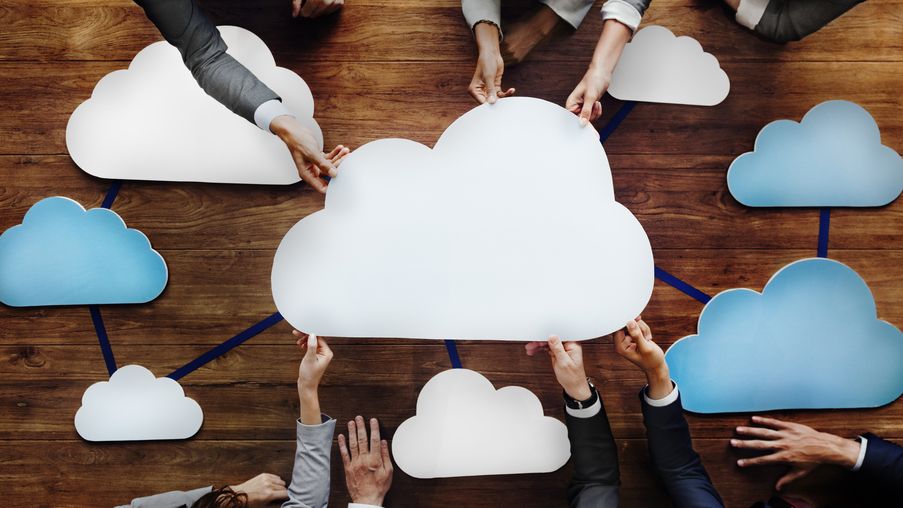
[[507, 229], [153, 122], [465, 427], [810, 340]]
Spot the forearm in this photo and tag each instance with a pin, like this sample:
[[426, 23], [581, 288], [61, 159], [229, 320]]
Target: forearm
[[487, 36], [309, 487], [614, 37], [659, 382], [310, 406], [203, 50]]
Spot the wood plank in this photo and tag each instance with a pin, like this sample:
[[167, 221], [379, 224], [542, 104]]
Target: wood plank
[[251, 392], [70, 470], [116, 30], [212, 297], [362, 101]]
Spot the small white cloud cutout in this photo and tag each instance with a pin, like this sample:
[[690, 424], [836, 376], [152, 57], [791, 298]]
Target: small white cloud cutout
[[657, 66], [136, 406], [508, 229], [465, 427], [154, 122]]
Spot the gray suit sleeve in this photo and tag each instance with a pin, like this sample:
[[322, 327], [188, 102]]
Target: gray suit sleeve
[[310, 475], [203, 50], [482, 10], [174, 499]]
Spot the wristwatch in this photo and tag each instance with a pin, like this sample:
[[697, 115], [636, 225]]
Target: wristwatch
[[582, 404]]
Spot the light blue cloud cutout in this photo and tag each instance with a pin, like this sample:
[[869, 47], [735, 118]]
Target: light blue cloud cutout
[[64, 255], [810, 340], [833, 157]]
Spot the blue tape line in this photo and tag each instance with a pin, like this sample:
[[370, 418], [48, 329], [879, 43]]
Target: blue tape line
[[111, 194], [102, 337], [453, 353], [680, 285], [824, 224], [225, 347], [616, 120]]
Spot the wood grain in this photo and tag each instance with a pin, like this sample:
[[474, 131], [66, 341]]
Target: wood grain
[[399, 69]]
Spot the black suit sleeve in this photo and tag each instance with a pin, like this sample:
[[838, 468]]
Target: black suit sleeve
[[203, 50], [882, 467], [676, 462], [595, 454]]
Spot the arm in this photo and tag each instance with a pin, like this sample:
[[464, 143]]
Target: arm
[[203, 50], [593, 448], [670, 445], [804, 449], [476, 11], [168, 499], [621, 19], [882, 464], [310, 475]]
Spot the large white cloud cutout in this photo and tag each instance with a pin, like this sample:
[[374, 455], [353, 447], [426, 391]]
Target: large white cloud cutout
[[136, 406], [657, 66], [508, 229], [832, 157], [153, 122], [465, 427]]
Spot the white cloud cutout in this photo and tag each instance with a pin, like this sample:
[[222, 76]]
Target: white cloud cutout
[[507, 229], [465, 427], [136, 406], [657, 66], [153, 122]]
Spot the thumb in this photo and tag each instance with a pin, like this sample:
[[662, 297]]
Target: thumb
[[586, 113], [311, 346], [555, 346], [794, 474], [493, 93]]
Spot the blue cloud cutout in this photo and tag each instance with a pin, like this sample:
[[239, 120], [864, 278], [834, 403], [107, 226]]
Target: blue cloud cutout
[[64, 255], [833, 157], [810, 340]]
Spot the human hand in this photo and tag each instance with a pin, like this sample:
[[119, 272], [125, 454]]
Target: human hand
[[337, 155], [584, 101], [486, 85], [368, 469], [315, 8], [637, 346], [317, 356], [800, 446], [311, 163], [567, 363], [262, 490]]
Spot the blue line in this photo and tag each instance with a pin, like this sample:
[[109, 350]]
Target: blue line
[[682, 286], [111, 194], [101, 330], [824, 224], [616, 120], [453, 353], [225, 347]]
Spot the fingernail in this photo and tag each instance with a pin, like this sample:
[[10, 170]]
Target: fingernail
[[740, 462], [733, 442]]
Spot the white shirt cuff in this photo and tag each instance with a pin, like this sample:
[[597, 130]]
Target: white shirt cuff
[[587, 412], [621, 11], [667, 401], [266, 112], [749, 12], [361, 505], [863, 444]]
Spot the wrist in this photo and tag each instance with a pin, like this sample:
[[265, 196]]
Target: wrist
[[579, 391], [283, 125], [372, 500], [843, 452], [659, 381]]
